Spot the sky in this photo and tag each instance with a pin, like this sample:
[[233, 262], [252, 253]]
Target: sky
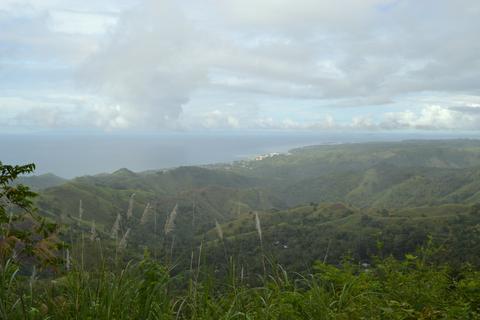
[[170, 65]]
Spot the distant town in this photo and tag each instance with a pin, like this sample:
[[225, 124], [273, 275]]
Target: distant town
[[265, 156]]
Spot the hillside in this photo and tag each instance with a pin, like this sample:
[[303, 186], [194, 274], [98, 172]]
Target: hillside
[[299, 236], [211, 194], [42, 181], [383, 175], [344, 197], [397, 174]]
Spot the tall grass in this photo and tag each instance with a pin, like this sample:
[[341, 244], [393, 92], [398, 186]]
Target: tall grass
[[168, 229], [130, 206], [149, 289], [80, 209], [93, 232], [122, 245], [258, 226], [145, 214], [116, 227], [391, 289], [170, 222]]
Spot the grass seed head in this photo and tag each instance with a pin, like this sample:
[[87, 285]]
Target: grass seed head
[[170, 223], [219, 230], [130, 206]]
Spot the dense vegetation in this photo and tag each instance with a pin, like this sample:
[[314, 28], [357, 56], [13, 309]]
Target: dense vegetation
[[412, 289], [360, 231]]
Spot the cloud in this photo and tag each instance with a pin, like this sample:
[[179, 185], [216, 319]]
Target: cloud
[[150, 65], [327, 123], [29, 36], [430, 117], [381, 48], [434, 117], [51, 117], [469, 110], [304, 64], [288, 16], [85, 23], [219, 120], [110, 117]]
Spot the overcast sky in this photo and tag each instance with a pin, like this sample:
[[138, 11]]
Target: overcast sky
[[120, 65]]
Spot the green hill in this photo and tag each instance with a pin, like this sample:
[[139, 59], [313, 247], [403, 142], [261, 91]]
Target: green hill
[[328, 232], [42, 181], [355, 192]]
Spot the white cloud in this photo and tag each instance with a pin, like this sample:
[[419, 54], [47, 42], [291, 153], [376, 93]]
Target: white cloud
[[303, 64], [217, 119], [110, 117], [150, 65], [363, 123], [72, 22], [299, 15], [434, 117], [325, 124]]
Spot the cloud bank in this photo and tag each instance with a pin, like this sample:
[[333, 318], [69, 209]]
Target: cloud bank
[[231, 64]]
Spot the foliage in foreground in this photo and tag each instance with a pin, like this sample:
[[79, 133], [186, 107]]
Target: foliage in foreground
[[391, 289], [23, 233]]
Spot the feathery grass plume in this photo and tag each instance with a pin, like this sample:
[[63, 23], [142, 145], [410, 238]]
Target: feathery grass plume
[[155, 213], [193, 214], [259, 230], [33, 277], [123, 242], [326, 252], [130, 206], [200, 248], [116, 227], [80, 209], [145, 214], [220, 235], [68, 260], [258, 226], [93, 232], [219, 230], [170, 223]]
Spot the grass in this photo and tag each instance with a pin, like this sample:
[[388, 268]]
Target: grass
[[146, 289]]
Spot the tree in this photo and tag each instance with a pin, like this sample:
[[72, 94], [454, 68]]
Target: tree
[[24, 235]]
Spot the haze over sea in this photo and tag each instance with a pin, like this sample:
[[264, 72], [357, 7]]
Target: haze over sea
[[72, 155]]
